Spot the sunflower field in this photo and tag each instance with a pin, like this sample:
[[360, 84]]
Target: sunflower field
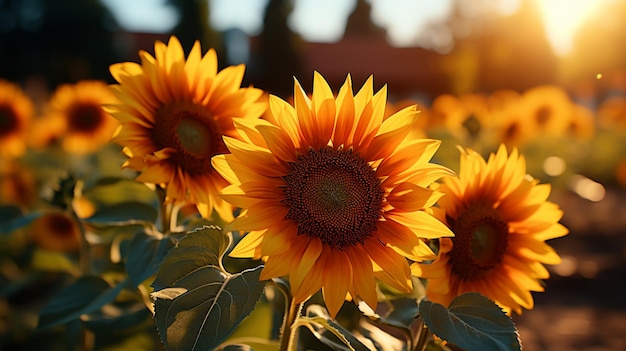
[[178, 205]]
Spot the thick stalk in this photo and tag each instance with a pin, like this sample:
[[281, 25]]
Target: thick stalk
[[422, 338], [288, 340]]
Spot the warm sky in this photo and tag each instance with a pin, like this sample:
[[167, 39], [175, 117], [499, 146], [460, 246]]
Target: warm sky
[[324, 20]]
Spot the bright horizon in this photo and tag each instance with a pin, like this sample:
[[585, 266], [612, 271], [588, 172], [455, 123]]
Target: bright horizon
[[325, 20]]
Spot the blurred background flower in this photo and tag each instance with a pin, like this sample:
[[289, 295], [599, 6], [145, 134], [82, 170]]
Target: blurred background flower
[[16, 113], [74, 118]]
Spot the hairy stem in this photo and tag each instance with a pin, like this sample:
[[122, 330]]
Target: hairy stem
[[289, 338]]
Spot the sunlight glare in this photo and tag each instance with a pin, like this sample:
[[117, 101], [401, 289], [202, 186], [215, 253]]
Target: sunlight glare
[[563, 17], [587, 188], [554, 166]]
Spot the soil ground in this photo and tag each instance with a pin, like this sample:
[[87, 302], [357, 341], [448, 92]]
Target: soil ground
[[584, 305]]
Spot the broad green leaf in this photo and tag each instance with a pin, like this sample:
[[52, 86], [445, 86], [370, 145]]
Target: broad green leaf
[[198, 303], [472, 322], [199, 248], [12, 218], [237, 347], [87, 294], [51, 261], [124, 213], [214, 305], [120, 319], [168, 293], [9, 213], [403, 313], [145, 253], [328, 331], [110, 191]]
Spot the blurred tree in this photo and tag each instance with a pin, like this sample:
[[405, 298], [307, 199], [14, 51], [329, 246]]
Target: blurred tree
[[279, 51], [60, 41], [598, 45], [194, 25], [360, 22], [494, 52]]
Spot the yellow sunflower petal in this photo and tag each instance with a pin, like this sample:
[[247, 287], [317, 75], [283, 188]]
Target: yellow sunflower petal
[[336, 280], [364, 283]]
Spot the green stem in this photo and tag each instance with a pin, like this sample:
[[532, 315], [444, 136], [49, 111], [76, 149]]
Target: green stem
[[166, 210], [84, 264], [288, 340], [84, 258], [422, 337]]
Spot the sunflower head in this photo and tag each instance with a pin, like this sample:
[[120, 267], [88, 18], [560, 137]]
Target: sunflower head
[[173, 112], [75, 118], [548, 108], [501, 219], [18, 185], [16, 113], [333, 193], [55, 231]]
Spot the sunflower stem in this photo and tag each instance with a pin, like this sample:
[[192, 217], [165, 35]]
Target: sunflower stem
[[84, 265], [166, 210], [422, 337], [289, 337]]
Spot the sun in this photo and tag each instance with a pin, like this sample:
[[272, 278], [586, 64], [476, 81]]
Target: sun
[[562, 18]]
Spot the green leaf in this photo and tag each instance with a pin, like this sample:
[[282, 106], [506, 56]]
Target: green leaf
[[12, 218], [124, 213], [198, 304], [120, 201], [199, 248], [87, 294], [119, 319], [472, 322], [403, 313], [110, 191], [329, 332], [213, 306], [237, 348], [145, 253]]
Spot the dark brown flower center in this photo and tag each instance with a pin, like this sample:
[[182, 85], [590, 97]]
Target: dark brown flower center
[[333, 195], [191, 131], [472, 125], [512, 132], [543, 115], [479, 243], [8, 121], [61, 226], [85, 118]]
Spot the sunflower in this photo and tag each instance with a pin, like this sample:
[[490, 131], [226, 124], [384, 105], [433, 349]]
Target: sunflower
[[18, 185], [548, 108], [464, 116], [512, 126], [332, 193], [422, 122], [16, 113], [581, 124], [501, 220], [55, 231], [174, 112], [74, 116], [611, 113]]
